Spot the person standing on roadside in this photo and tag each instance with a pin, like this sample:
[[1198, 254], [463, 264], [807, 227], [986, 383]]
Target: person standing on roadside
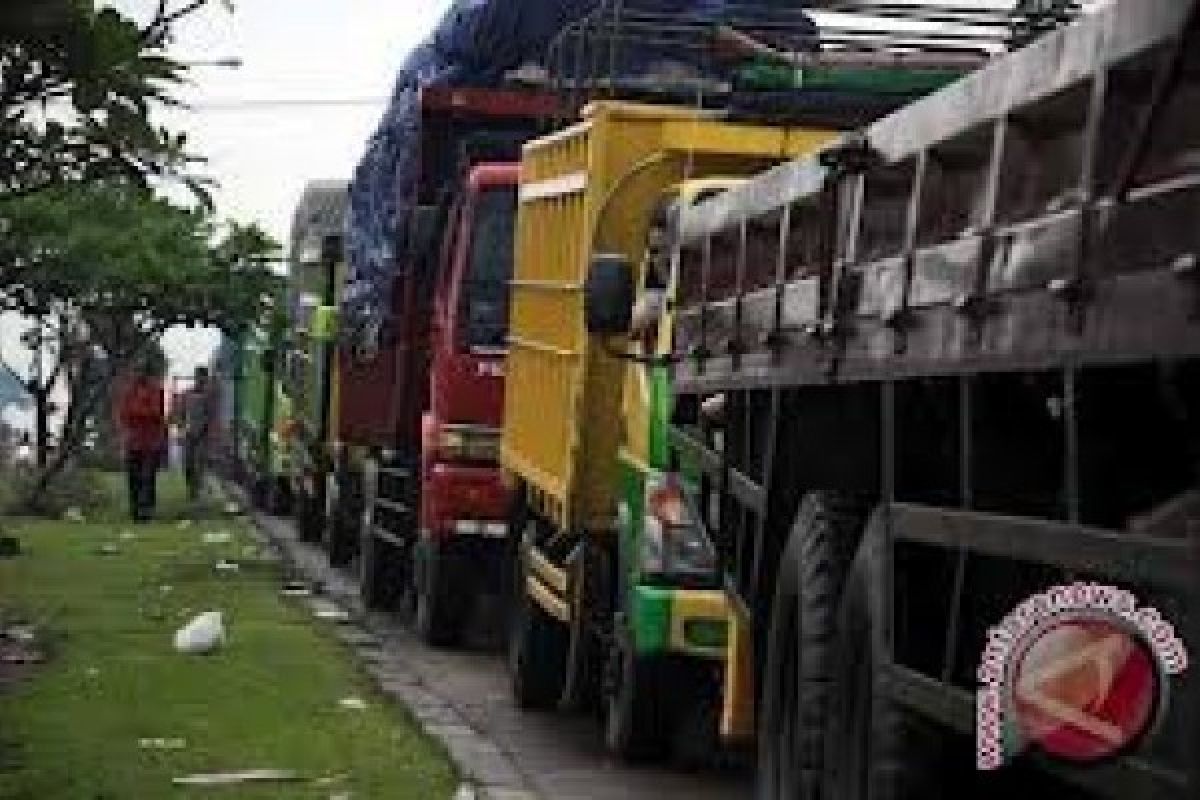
[[199, 409], [143, 429]]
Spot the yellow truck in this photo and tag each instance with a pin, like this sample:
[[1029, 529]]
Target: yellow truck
[[617, 599]]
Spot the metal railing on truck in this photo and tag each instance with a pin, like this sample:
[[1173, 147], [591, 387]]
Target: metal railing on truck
[[610, 52], [1038, 217]]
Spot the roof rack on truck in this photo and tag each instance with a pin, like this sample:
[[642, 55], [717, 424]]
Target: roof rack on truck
[[841, 55]]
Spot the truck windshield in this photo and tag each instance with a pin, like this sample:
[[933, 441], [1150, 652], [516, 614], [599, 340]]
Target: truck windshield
[[483, 309]]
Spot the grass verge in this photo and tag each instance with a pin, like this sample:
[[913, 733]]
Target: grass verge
[[271, 698]]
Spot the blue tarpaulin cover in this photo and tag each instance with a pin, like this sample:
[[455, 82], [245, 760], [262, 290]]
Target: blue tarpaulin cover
[[475, 44]]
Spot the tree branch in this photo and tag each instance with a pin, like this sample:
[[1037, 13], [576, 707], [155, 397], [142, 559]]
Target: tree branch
[[13, 373], [157, 30]]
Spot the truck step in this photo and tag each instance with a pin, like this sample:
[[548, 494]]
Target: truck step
[[393, 506], [384, 535], [395, 472]]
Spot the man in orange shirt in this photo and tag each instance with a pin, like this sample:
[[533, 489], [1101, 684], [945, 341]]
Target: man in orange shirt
[[144, 435]]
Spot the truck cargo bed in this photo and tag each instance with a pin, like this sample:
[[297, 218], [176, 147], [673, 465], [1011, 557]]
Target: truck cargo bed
[[585, 190]]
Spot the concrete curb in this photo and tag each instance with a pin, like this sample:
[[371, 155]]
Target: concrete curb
[[487, 769]]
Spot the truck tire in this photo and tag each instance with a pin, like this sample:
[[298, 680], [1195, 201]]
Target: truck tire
[[341, 536], [590, 628], [343, 523], [308, 517], [368, 571], [380, 576], [800, 665], [537, 650], [444, 592], [279, 499], [874, 749], [260, 492], [695, 722], [634, 726]]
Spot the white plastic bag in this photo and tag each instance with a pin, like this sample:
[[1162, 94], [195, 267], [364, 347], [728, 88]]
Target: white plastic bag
[[205, 633]]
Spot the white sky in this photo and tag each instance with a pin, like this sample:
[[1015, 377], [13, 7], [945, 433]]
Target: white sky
[[262, 126], [262, 150]]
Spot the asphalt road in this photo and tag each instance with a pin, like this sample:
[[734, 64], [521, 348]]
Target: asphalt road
[[556, 756]]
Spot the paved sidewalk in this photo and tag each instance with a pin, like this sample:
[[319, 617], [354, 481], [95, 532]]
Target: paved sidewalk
[[462, 697]]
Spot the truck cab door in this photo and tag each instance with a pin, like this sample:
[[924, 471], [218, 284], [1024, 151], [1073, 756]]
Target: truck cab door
[[448, 265]]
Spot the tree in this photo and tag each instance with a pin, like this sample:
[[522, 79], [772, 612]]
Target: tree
[[77, 93], [102, 271]]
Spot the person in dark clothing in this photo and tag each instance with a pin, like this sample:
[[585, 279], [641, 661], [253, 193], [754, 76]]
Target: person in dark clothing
[[144, 435], [196, 419]]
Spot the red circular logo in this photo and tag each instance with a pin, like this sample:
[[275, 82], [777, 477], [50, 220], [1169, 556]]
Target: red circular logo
[[1085, 689]]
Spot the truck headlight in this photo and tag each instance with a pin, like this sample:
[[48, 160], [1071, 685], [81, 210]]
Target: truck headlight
[[468, 443], [674, 544]]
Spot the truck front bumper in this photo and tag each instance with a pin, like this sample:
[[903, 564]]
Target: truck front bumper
[[461, 500], [692, 622]]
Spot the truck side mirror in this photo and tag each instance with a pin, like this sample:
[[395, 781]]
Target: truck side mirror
[[608, 295], [423, 229]]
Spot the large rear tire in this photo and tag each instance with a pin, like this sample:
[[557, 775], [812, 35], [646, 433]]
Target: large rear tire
[[444, 592], [537, 649], [695, 722], [279, 498], [371, 577], [800, 667], [345, 520], [310, 514], [874, 749], [260, 492], [635, 706], [383, 572]]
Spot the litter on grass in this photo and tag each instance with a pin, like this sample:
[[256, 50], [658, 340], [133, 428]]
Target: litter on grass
[[74, 514], [24, 634], [108, 549], [184, 524], [17, 647], [127, 536], [327, 611], [20, 657], [160, 743], [217, 537], [295, 590], [224, 566], [241, 776], [353, 703], [204, 634]]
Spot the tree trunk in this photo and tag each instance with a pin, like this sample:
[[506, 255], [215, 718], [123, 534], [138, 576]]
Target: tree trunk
[[41, 437], [84, 398]]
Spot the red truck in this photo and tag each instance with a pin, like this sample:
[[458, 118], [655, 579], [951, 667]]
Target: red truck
[[417, 486]]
